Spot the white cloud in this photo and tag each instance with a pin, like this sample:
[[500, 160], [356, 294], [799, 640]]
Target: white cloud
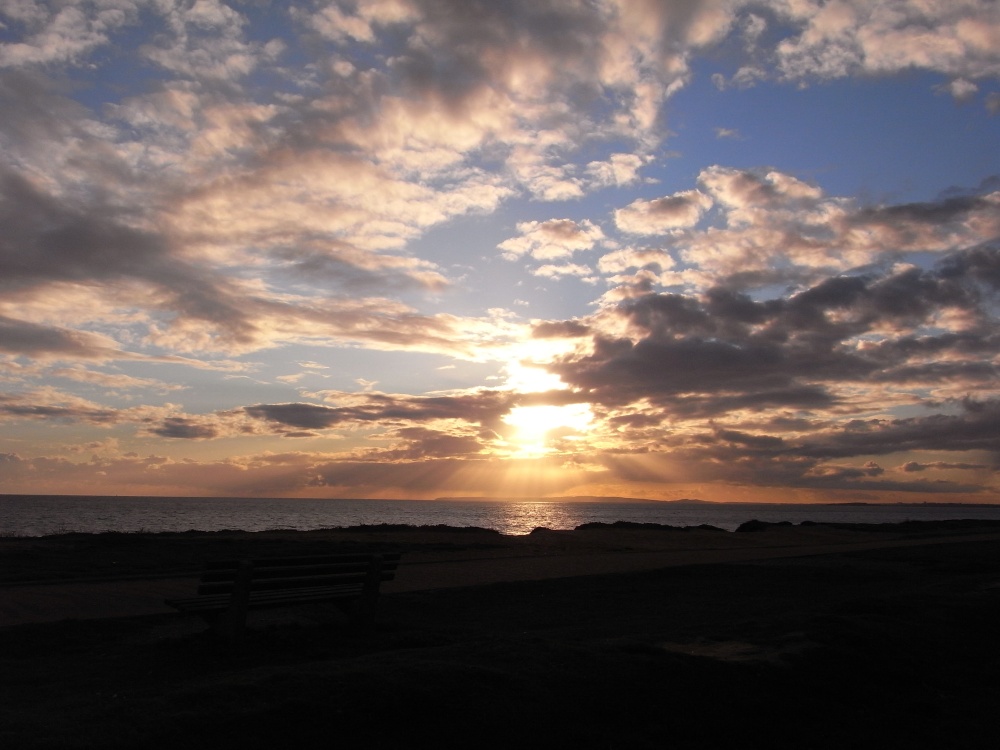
[[61, 34], [558, 271], [732, 133], [549, 240], [961, 89], [619, 169], [677, 211], [844, 37]]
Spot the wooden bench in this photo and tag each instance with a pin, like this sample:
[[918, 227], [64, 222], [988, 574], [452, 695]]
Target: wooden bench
[[229, 589]]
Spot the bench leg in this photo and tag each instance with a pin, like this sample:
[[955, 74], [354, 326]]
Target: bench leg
[[233, 622], [362, 611]]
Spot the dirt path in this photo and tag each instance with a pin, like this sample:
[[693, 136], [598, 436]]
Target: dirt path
[[612, 553]]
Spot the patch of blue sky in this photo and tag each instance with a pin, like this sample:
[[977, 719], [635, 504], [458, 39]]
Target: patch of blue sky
[[895, 139]]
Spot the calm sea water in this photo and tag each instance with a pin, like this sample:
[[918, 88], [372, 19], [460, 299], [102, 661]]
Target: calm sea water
[[39, 515]]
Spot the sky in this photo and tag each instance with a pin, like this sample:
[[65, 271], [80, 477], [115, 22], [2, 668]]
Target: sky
[[664, 249]]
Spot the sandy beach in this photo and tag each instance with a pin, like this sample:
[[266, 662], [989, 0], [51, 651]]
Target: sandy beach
[[608, 637]]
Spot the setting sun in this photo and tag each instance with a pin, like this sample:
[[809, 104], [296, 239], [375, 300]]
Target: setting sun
[[535, 426]]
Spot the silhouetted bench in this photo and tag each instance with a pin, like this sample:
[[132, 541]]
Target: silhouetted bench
[[229, 589]]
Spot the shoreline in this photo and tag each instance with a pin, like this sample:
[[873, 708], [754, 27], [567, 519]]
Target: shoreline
[[48, 515]]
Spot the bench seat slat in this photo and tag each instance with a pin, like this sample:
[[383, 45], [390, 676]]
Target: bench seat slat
[[260, 600], [225, 586], [388, 559], [290, 572], [284, 582]]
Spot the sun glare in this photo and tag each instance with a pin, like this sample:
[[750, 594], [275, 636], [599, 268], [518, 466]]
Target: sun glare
[[527, 379], [536, 426]]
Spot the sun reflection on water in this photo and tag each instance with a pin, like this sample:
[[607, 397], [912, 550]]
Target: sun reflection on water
[[522, 518]]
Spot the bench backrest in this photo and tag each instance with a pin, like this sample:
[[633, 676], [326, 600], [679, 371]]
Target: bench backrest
[[312, 571]]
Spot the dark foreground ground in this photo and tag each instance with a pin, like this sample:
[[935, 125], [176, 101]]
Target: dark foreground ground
[[895, 647]]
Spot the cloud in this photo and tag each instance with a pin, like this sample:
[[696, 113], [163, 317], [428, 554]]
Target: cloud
[[39, 341], [176, 180], [484, 408], [852, 36], [969, 430], [730, 133], [960, 89], [916, 466], [43, 407], [184, 428], [61, 34], [661, 215], [619, 169], [560, 329], [553, 271], [113, 380], [552, 240], [727, 351], [772, 223], [205, 40], [621, 260], [50, 406], [420, 444]]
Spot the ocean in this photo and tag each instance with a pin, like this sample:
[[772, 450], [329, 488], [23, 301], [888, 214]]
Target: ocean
[[42, 515]]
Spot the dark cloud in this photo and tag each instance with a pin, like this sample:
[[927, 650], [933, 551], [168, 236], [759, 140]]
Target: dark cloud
[[48, 239], [302, 416], [620, 372], [21, 407], [935, 213], [484, 407], [34, 113], [981, 264], [422, 443], [915, 466], [990, 184], [757, 459], [567, 329], [727, 350], [460, 44], [185, 429], [975, 428], [338, 265], [32, 339]]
